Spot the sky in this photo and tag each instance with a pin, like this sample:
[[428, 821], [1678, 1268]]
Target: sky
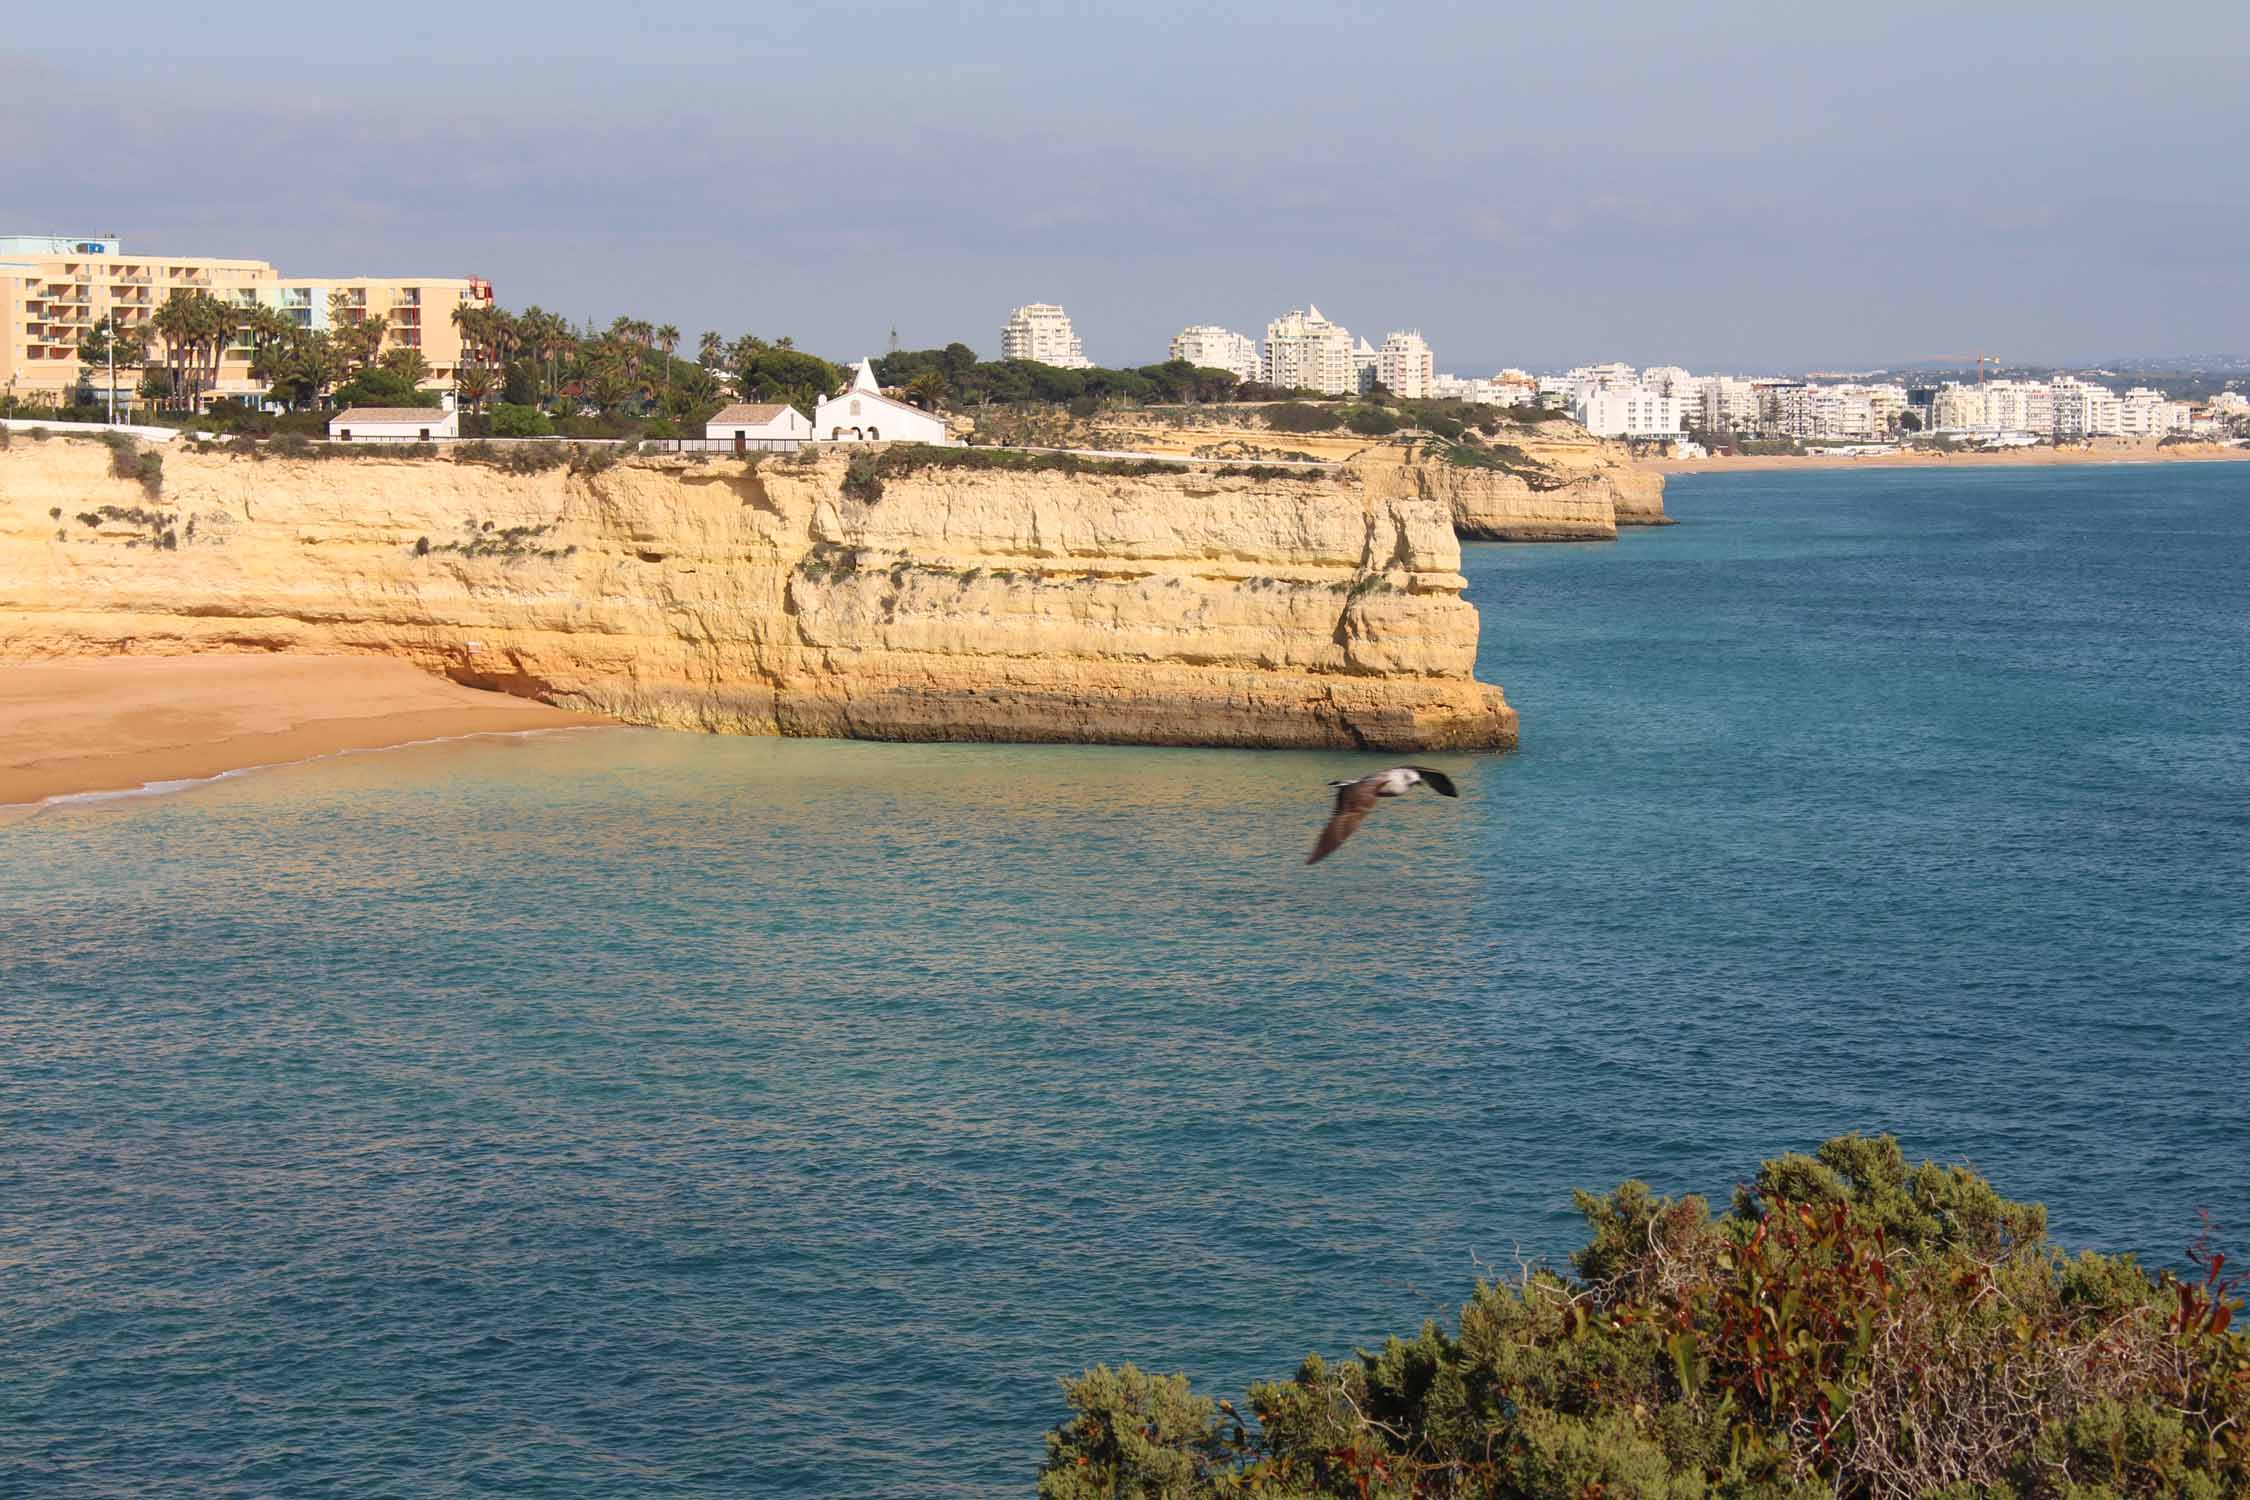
[[1726, 186]]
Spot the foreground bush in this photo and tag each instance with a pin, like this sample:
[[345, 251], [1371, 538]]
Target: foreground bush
[[1851, 1329]]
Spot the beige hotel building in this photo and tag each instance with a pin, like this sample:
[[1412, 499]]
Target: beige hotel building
[[54, 290]]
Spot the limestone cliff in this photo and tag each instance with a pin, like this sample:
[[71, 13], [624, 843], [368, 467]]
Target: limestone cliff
[[1556, 482], [1187, 608]]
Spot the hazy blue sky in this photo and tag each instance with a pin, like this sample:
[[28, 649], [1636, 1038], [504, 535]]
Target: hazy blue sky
[[1728, 185]]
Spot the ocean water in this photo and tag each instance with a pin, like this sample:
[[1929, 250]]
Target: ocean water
[[628, 1114]]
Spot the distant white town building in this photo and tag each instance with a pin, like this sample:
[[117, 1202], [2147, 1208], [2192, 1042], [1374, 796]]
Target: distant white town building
[[1041, 331], [1471, 388], [1210, 347], [2142, 412], [1629, 411], [2075, 408], [759, 427], [1406, 366], [1728, 404], [861, 413], [1305, 349], [1367, 367], [394, 424]]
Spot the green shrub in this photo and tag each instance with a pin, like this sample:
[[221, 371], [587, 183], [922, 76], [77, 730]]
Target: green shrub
[[863, 476], [519, 422], [1299, 416], [148, 468], [1853, 1328], [1371, 421]]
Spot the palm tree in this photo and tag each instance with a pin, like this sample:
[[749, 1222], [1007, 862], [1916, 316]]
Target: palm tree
[[408, 365], [175, 324], [548, 336], [610, 388], [474, 384], [668, 339], [927, 390], [711, 349], [696, 394]]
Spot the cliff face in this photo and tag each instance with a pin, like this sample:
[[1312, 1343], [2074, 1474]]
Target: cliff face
[[1563, 484], [1164, 609]]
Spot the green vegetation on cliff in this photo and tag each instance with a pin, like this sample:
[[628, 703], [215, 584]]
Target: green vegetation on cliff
[[1853, 1328]]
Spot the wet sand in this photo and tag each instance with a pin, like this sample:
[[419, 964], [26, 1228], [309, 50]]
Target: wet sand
[[120, 723]]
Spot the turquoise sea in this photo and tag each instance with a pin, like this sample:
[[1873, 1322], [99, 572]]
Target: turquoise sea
[[626, 1114]]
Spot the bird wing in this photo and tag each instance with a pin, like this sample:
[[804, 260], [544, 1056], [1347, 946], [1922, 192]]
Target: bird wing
[[1352, 803], [1437, 781]]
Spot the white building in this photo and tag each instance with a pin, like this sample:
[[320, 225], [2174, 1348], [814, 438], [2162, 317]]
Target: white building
[[1305, 349], [1041, 331], [1629, 411], [861, 413], [1516, 387], [1405, 365], [1837, 411], [756, 428], [394, 424], [2080, 409], [1210, 347], [1367, 367], [2148, 413], [1727, 404], [1474, 388]]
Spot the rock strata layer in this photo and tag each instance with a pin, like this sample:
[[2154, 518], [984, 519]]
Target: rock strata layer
[[1187, 608]]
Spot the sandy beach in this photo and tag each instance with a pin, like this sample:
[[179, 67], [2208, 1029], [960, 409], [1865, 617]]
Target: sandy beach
[[124, 722], [2106, 451]]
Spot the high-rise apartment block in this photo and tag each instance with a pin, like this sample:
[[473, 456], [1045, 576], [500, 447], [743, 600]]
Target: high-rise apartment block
[[1210, 347], [1041, 331], [1305, 350], [54, 291], [1406, 366]]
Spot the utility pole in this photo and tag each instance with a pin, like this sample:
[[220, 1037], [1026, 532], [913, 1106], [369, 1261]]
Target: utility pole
[[112, 342]]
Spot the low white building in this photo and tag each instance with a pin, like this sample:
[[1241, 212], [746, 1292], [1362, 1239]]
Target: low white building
[[756, 427], [861, 413], [1207, 346], [1629, 411], [394, 424]]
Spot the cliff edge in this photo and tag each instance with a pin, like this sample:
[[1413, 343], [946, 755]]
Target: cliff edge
[[1186, 607]]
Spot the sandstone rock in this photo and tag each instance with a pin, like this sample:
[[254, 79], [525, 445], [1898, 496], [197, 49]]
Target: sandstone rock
[[1162, 609]]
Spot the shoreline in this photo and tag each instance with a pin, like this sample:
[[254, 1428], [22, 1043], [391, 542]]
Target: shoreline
[[1742, 463], [124, 726]]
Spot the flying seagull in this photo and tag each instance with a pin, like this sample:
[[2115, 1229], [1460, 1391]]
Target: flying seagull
[[1354, 798]]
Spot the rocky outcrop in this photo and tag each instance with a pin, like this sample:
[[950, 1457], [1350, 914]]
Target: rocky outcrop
[[1638, 495], [1186, 608], [1492, 505], [1549, 481]]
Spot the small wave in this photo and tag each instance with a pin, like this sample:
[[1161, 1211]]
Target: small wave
[[180, 784]]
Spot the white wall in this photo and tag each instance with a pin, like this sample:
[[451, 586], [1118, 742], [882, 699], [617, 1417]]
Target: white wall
[[856, 417]]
